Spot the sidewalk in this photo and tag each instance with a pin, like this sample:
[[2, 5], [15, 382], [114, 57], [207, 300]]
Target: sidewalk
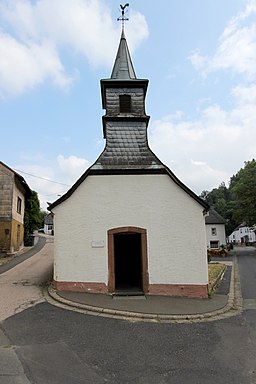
[[161, 308], [225, 301]]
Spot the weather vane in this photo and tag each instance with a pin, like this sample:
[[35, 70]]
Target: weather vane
[[122, 17]]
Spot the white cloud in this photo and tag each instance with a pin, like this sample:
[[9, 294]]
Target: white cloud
[[39, 30], [210, 149], [236, 49], [52, 181], [72, 167], [23, 67], [198, 61], [206, 151], [245, 95]]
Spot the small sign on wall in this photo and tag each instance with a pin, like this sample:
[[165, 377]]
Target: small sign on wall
[[98, 244]]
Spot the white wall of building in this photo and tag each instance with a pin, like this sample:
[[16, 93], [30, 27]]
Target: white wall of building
[[240, 233], [48, 229], [215, 233], [174, 222]]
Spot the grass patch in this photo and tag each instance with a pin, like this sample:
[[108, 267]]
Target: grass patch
[[215, 270]]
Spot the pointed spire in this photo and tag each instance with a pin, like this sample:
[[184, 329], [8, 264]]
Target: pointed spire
[[123, 67]]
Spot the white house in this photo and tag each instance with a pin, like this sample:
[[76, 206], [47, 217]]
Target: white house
[[120, 228], [48, 224], [215, 230], [242, 235]]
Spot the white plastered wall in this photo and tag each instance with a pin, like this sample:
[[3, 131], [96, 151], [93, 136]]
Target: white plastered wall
[[174, 222], [220, 234]]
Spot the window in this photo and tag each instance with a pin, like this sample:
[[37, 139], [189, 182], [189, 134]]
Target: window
[[214, 231], [125, 105], [19, 205], [214, 244]]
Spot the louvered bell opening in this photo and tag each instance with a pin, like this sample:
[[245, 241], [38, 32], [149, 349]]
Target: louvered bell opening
[[125, 103]]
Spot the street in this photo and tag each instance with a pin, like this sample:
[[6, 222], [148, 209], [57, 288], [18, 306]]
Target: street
[[57, 346], [20, 286]]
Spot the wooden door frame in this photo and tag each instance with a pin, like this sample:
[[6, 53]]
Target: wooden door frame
[[111, 255]]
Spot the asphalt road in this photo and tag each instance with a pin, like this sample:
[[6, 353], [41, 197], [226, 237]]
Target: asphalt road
[[58, 346], [247, 271]]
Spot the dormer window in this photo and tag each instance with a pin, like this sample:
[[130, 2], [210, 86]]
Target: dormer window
[[125, 104]]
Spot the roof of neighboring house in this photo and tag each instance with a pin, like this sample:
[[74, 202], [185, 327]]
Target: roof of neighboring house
[[242, 225], [18, 178], [214, 218], [48, 219]]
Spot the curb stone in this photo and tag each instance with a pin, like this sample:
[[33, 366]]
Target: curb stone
[[232, 308], [218, 278]]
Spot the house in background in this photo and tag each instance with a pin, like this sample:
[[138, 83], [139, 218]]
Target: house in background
[[120, 228], [215, 230], [13, 191], [48, 224], [242, 235]]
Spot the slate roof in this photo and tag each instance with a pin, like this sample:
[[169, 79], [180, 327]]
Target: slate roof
[[214, 218], [242, 225], [123, 67], [127, 148]]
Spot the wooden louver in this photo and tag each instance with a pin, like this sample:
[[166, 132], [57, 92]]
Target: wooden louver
[[125, 104]]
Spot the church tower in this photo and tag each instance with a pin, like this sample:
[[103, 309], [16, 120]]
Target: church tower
[[125, 122]]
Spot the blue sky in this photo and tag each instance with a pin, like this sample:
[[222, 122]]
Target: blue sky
[[200, 59]]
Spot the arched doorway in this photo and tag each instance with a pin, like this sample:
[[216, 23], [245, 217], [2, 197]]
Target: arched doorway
[[127, 260]]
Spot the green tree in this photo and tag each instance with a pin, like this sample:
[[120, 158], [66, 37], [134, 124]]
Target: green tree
[[237, 203], [243, 194], [220, 199], [217, 199], [32, 216]]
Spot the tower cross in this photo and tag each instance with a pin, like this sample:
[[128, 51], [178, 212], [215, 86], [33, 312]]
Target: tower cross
[[122, 17]]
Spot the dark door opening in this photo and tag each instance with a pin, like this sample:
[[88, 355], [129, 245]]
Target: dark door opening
[[128, 263]]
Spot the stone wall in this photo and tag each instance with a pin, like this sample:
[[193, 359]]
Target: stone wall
[[11, 221], [6, 192]]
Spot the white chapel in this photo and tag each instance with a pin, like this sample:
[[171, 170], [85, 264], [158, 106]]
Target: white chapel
[[129, 225]]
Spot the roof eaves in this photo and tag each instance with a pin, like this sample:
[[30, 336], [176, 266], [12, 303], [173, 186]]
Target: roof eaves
[[215, 218], [18, 178], [187, 190], [128, 171], [70, 191]]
